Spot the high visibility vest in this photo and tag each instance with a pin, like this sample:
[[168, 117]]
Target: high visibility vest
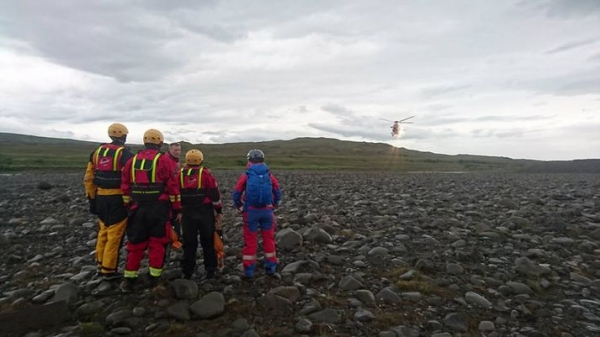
[[144, 187], [190, 184], [107, 166]]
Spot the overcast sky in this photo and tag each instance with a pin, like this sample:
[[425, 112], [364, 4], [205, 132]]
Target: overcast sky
[[515, 78]]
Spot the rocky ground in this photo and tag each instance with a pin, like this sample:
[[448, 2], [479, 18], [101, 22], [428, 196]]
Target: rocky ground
[[360, 255]]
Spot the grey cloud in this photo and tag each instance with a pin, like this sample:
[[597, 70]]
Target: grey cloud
[[348, 131], [564, 8], [595, 57], [429, 120], [581, 82], [443, 89], [482, 133], [509, 118], [337, 110], [580, 87], [510, 134], [571, 45]]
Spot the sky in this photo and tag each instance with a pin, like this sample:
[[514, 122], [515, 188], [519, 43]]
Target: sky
[[514, 78]]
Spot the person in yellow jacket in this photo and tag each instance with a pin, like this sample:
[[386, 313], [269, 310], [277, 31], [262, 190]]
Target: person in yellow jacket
[[102, 183]]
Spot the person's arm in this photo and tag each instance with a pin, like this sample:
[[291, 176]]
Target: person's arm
[[88, 179], [126, 182], [212, 190], [239, 189], [165, 173], [276, 191], [88, 183]]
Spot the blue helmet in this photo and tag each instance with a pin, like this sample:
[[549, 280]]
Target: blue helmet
[[256, 156]]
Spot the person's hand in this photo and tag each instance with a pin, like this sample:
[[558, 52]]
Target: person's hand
[[178, 217], [240, 209], [92, 203]]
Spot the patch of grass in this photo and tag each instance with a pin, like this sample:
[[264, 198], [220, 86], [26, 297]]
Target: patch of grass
[[425, 286], [91, 329], [394, 273], [346, 232], [24, 152], [176, 330]]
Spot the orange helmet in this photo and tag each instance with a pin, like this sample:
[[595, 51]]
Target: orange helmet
[[194, 157], [117, 130], [153, 136]]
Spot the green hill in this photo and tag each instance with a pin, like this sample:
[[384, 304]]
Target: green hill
[[23, 152]]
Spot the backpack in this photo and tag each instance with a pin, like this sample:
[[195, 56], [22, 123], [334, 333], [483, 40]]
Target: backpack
[[144, 187], [190, 183], [259, 188], [107, 162]]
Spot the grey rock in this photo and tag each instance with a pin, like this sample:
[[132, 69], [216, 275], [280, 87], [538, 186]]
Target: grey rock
[[580, 278], [185, 289], [363, 315], [478, 300], [209, 306], [251, 333], [527, 267], [293, 268], [348, 283], [287, 239], [404, 331], [486, 326], [303, 326], [366, 297], [409, 275], [456, 322], [325, 316], [276, 305], [292, 294], [388, 296], [519, 288], [316, 234], [378, 256], [310, 307], [180, 311], [68, 292], [454, 269], [123, 330], [118, 317]]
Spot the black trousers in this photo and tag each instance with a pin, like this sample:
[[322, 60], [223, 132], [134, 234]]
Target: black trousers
[[148, 220], [198, 221], [110, 209]]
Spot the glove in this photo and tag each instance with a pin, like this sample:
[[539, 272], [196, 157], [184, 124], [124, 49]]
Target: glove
[[92, 203], [177, 215]]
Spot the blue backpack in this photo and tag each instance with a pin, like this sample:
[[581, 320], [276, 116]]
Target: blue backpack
[[259, 188]]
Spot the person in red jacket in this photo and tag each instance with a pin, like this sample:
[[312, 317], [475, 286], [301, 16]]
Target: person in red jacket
[[151, 193], [202, 213], [256, 195], [174, 154]]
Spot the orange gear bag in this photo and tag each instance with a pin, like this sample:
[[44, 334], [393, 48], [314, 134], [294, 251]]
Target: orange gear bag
[[219, 250]]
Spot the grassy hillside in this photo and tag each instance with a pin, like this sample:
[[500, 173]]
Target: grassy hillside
[[23, 152]]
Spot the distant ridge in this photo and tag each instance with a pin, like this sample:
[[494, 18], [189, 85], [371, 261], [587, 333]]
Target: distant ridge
[[571, 166], [24, 152]]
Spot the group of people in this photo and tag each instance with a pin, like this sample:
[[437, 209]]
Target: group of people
[[152, 199]]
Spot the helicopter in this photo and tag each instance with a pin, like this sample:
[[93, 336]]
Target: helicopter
[[396, 126]]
